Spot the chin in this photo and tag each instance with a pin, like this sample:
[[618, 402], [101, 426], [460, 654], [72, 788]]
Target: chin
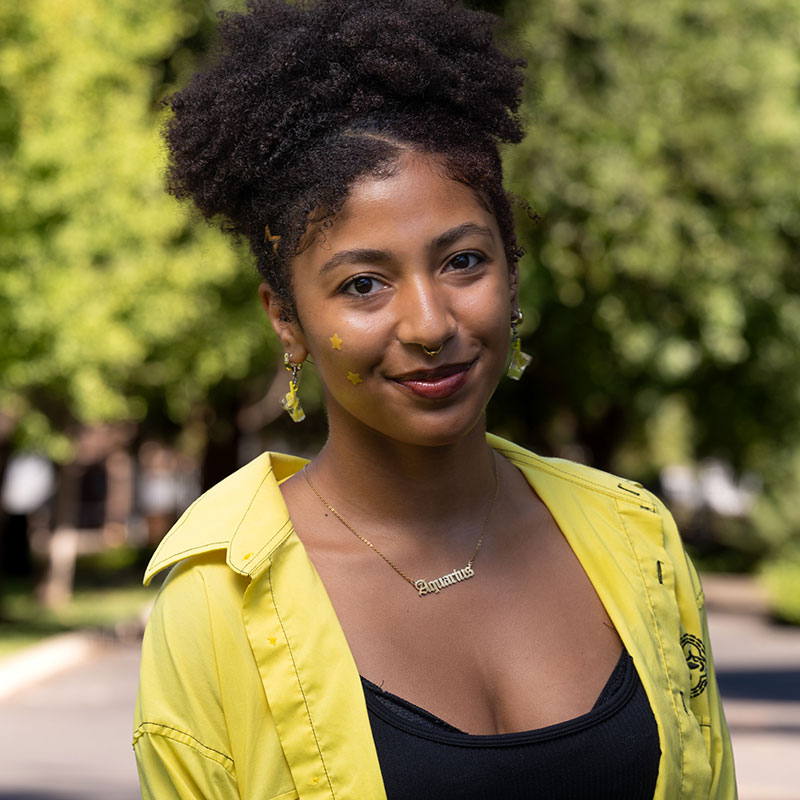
[[410, 424], [436, 431]]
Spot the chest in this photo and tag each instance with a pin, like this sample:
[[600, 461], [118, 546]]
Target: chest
[[456, 655], [524, 643]]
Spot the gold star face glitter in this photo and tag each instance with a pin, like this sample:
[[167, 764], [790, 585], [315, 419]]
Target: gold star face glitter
[[336, 342], [354, 378]]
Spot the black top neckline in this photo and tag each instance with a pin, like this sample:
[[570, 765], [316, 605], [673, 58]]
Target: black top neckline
[[406, 716]]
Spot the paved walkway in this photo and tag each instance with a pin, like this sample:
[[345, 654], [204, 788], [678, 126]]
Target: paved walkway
[[758, 669], [68, 737]]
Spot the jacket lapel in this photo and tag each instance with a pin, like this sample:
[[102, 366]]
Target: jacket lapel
[[308, 673], [616, 533]]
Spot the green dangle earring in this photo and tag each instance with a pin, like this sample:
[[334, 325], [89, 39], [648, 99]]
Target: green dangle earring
[[290, 401], [519, 360]]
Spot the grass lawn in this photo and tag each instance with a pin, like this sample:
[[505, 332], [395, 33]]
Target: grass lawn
[[782, 579], [108, 590]]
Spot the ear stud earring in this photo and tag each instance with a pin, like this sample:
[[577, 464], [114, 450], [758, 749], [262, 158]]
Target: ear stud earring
[[519, 360], [290, 401]]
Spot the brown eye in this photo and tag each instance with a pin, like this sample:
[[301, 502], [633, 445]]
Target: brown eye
[[462, 261], [362, 284]]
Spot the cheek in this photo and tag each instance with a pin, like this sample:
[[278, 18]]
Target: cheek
[[345, 351], [489, 316]]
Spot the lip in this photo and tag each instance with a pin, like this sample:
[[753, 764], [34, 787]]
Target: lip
[[435, 384]]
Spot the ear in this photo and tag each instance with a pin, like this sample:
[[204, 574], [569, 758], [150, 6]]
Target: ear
[[284, 323], [513, 285]]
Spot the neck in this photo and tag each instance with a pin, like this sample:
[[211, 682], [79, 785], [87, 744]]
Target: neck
[[407, 487]]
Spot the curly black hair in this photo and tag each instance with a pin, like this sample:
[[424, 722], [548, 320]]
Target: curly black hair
[[300, 100]]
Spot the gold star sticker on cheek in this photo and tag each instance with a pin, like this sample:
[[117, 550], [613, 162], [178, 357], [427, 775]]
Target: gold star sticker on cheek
[[354, 378], [336, 342]]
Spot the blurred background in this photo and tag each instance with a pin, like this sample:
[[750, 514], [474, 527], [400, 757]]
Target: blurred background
[[661, 292]]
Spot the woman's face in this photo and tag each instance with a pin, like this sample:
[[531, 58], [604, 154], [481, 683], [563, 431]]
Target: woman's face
[[412, 261]]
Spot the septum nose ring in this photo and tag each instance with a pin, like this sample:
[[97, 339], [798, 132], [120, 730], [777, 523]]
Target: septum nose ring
[[431, 353]]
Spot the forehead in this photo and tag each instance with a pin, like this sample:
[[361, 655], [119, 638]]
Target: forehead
[[408, 208]]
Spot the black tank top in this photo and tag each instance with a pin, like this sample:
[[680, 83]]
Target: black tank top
[[611, 752]]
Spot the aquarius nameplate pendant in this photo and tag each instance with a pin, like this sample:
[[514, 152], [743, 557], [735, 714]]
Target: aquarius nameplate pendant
[[437, 584]]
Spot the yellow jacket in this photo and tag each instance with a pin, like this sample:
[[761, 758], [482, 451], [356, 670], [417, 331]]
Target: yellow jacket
[[248, 688]]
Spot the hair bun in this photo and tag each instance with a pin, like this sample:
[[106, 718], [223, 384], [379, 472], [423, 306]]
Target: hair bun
[[284, 74], [302, 98]]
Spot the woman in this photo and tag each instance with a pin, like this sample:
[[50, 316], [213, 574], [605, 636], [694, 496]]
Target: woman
[[421, 611]]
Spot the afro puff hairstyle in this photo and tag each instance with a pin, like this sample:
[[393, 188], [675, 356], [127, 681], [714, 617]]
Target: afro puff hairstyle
[[300, 100]]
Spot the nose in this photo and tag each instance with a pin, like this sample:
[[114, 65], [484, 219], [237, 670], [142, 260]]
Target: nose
[[425, 315]]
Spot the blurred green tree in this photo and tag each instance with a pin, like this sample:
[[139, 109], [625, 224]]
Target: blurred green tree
[[662, 289], [114, 303]]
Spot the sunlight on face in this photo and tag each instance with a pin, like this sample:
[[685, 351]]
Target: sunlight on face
[[404, 302]]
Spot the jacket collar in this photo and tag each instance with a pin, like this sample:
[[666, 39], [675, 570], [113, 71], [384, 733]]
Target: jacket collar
[[245, 514], [554, 478]]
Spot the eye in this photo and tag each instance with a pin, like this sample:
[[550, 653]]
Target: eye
[[464, 261], [361, 285]]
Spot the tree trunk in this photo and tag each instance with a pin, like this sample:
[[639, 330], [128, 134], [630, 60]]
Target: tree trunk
[[5, 453], [55, 587]]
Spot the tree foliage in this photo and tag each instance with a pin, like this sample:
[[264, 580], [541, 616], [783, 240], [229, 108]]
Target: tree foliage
[[662, 284], [661, 288], [114, 303]]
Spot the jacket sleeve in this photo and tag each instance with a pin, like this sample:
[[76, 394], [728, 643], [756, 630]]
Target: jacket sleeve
[[704, 700], [715, 728], [180, 737], [172, 764]]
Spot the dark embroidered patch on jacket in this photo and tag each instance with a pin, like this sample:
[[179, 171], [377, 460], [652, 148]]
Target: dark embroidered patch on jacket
[[694, 650]]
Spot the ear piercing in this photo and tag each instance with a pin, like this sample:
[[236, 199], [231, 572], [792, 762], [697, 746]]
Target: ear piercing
[[519, 360], [290, 401]]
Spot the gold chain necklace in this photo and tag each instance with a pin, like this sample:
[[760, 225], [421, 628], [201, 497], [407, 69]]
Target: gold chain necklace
[[422, 586]]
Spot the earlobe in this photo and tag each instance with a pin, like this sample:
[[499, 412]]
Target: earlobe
[[284, 324], [513, 285]]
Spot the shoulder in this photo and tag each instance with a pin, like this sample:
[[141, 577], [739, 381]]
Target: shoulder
[[616, 509], [243, 517], [570, 476], [193, 640]]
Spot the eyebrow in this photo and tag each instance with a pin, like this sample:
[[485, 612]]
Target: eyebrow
[[459, 232], [364, 255], [359, 255]]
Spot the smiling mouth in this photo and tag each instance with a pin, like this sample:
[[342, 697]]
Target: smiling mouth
[[435, 384]]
